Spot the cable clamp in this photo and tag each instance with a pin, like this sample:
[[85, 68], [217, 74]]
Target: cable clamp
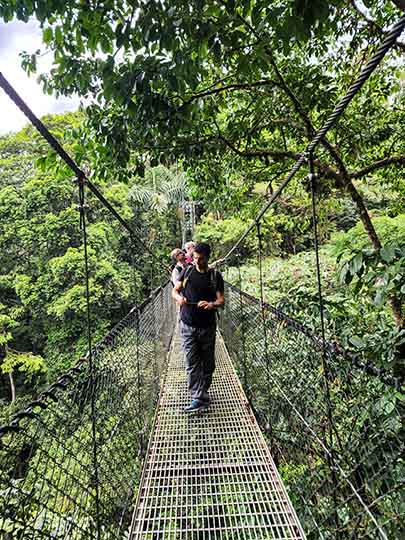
[[81, 177]]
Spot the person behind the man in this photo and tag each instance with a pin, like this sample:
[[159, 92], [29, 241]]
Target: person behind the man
[[179, 260], [189, 247], [202, 292]]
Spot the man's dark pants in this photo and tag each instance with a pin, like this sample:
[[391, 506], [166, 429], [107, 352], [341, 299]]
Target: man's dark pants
[[199, 349]]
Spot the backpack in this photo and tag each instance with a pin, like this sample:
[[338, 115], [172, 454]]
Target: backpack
[[179, 269]]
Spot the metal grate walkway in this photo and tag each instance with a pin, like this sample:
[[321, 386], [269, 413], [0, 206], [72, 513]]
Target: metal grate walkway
[[211, 475]]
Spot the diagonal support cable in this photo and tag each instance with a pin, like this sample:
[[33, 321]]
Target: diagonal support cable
[[55, 144], [364, 75]]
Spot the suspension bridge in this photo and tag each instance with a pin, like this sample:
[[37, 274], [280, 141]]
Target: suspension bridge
[[292, 447]]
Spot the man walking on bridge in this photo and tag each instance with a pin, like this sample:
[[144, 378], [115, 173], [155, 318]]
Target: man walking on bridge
[[202, 292]]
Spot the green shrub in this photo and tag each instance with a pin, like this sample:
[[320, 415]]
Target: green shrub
[[389, 230], [222, 235]]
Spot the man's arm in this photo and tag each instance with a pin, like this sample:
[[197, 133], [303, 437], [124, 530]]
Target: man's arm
[[220, 298], [218, 302], [176, 294]]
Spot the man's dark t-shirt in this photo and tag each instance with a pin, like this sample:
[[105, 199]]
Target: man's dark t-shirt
[[200, 286]]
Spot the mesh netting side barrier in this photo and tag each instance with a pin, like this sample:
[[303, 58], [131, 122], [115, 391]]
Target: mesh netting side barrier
[[50, 486], [341, 462]]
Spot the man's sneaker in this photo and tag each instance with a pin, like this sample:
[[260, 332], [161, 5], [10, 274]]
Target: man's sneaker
[[195, 406], [206, 400]]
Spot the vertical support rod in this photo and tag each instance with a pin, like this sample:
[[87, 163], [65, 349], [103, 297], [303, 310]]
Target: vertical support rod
[[263, 311], [224, 321], [243, 329], [82, 210], [132, 247], [263, 315], [156, 349], [155, 333], [325, 364], [141, 418]]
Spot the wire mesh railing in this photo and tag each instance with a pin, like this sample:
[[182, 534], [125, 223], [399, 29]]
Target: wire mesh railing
[[210, 476], [50, 485], [341, 462]]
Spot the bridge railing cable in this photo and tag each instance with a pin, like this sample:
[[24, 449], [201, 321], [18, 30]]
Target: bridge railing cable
[[48, 484], [70, 460], [333, 428], [344, 482]]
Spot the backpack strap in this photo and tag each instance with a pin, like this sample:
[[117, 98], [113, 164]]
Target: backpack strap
[[214, 283], [187, 274], [211, 271], [213, 278]]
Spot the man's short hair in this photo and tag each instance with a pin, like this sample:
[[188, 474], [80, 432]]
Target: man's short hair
[[175, 253], [203, 249]]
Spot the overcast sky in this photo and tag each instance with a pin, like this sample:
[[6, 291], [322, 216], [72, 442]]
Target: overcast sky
[[16, 37]]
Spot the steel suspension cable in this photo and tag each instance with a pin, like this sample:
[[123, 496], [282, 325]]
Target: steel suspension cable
[[82, 210], [54, 143], [364, 75]]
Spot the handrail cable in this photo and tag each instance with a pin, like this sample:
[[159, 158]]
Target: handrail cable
[[331, 346], [55, 144], [364, 75], [342, 471]]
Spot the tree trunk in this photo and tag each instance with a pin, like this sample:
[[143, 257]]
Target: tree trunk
[[363, 213], [12, 387], [374, 239]]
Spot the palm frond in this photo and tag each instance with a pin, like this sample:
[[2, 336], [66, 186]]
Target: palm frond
[[141, 194]]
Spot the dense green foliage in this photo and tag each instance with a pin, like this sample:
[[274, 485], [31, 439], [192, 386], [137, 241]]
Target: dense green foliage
[[235, 90], [43, 304], [355, 312], [215, 101]]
